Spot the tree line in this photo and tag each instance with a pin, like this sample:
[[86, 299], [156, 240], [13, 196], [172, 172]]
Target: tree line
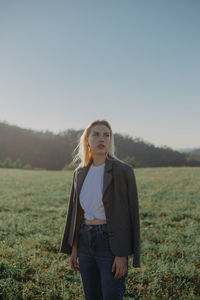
[[26, 148]]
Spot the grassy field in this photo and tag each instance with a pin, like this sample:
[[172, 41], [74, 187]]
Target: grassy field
[[33, 207]]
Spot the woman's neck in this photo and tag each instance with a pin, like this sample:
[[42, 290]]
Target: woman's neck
[[98, 160]]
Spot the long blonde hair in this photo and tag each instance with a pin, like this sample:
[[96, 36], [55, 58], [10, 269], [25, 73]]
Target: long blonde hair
[[84, 153]]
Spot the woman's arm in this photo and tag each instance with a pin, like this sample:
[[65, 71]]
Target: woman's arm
[[79, 220], [73, 258], [134, 215]]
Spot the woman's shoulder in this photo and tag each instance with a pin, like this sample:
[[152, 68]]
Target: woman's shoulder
[[121, 165], [116, 163]]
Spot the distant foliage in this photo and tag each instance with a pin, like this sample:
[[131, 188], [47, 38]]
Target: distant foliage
[[69, 166], [131, 161], [7, 163], [18, 164], [27, 166], [192, 156]]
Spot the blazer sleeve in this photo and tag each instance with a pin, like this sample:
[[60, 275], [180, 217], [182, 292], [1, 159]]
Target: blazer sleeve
[[134, 216], [65, 247]]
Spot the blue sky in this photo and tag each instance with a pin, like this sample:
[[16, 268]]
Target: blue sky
[[64, 64]]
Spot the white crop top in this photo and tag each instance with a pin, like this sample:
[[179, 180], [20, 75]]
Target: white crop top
[[92, 192]]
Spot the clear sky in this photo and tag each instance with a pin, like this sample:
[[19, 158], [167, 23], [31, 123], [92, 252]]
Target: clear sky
[[135, 63]]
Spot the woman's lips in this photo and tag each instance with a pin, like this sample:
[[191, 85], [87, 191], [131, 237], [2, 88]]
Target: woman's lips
[[101, 146]]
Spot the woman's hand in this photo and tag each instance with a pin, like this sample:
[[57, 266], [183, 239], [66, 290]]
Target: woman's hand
[[73, 259], [120, 264]]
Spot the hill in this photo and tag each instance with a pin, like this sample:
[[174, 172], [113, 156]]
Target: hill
[[53, 151]]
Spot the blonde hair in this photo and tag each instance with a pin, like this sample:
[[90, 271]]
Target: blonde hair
[[83, 151]]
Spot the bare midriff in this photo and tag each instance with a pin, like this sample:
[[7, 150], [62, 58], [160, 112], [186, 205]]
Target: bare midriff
[[95, 221]]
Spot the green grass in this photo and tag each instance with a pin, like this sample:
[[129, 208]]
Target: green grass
[[33, 207]]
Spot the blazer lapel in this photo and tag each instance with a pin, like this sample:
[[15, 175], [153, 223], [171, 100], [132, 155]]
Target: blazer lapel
[[107, 175]]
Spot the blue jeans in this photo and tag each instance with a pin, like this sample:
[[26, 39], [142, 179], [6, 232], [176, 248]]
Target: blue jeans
[[95, 262]]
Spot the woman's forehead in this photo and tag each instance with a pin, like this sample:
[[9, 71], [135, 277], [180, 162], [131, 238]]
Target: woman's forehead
[[100, 128]]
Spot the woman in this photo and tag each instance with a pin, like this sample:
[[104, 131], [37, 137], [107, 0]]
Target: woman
[[102, 226]]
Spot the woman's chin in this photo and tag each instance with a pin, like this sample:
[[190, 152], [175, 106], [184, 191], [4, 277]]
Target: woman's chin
[[100, 152]]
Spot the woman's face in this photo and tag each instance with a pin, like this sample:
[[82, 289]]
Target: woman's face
[[99, 139]]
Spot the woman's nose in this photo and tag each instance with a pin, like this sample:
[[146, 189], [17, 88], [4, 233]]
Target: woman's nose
[[101, 138]]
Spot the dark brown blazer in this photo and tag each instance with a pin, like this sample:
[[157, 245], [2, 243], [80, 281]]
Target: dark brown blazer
[[120, 199]]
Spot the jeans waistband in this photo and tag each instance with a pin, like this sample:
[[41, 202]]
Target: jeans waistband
[[96, 227]]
